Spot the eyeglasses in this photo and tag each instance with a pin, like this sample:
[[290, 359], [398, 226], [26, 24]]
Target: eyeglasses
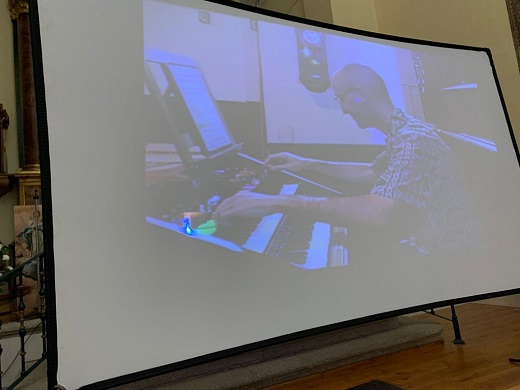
[[339, 97]]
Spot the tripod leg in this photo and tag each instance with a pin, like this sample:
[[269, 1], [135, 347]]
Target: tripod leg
[[456, 328]]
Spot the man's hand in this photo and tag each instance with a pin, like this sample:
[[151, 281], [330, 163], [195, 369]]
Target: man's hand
[[245, 203], [287, 161]]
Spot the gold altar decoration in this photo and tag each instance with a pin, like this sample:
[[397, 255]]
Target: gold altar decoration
[[16, 7], [513, 6]]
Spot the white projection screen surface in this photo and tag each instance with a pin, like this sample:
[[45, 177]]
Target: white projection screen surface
[[222, 178]]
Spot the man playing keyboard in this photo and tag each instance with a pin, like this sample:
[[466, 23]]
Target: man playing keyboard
[[417, 201]]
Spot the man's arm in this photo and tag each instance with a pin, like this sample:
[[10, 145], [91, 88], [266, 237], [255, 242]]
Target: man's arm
[[358, 172], [372, 209]]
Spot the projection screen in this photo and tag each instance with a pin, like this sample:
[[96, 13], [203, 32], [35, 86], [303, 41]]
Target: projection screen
[[223, 178]]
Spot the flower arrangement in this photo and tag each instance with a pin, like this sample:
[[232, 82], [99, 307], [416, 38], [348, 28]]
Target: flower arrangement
[[5, 260]]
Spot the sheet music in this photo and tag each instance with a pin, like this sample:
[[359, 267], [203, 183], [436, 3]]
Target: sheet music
[[202, 107]]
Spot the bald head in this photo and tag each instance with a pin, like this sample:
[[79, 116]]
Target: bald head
[[362, 78], [362, 94]]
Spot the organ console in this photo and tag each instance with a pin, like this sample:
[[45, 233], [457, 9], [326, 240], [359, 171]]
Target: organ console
[[295, 240], [188, 178]]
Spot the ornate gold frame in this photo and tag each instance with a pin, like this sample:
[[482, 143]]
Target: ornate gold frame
[[513, 6]]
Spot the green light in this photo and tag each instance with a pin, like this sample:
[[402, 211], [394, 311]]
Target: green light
[[208, 227]]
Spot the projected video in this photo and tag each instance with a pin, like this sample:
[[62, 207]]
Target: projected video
[[281, 184]]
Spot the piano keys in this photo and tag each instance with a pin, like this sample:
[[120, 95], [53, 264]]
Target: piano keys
[[300, 242]]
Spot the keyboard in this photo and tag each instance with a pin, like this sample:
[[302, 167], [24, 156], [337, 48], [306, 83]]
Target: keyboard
[[302, 243]]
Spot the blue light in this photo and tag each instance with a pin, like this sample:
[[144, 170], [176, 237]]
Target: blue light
[[187, 228]]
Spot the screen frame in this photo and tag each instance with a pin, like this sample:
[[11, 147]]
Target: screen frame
[[50, 290]]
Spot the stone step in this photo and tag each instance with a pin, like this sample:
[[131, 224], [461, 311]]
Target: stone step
[[288, 361]]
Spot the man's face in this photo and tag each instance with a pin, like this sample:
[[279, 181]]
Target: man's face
[[351, 100]]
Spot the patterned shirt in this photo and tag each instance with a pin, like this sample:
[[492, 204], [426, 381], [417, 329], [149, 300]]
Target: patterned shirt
[[420, 170]]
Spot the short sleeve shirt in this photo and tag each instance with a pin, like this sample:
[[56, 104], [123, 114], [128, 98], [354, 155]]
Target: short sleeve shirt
[[419, 169]]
